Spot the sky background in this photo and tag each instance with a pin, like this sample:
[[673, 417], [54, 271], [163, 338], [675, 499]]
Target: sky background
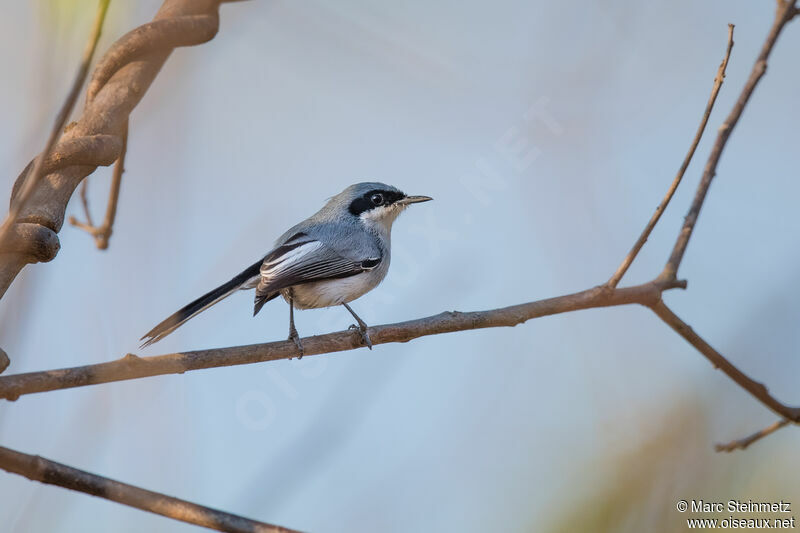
[[547, 132]]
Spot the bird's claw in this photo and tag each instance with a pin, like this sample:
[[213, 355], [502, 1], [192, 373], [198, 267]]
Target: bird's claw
[[293, 336], [362, 329]]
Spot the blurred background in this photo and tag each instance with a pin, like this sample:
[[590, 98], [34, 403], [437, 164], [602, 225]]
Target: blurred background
[[547, 132]]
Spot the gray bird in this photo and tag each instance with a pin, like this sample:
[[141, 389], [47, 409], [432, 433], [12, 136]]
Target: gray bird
[[331, 258]]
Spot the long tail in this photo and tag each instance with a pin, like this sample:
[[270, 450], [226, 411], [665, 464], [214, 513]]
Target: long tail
[[178, 318]]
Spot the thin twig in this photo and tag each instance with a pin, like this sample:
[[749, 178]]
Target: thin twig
[[718, 79], [758, 390], [784, 14], [32, 180], [741, 444], [134, 367], [102, 233], [113, 197], [53, 473], [84, 203]]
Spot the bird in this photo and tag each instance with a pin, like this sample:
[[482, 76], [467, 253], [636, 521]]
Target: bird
[[331, 258]]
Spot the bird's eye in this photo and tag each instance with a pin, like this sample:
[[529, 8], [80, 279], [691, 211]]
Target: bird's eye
[[377, 199]]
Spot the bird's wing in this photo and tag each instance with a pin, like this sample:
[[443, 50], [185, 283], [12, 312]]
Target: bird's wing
[[302, 259]]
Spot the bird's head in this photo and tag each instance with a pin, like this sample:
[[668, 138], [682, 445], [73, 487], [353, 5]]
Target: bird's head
[[377, 204]]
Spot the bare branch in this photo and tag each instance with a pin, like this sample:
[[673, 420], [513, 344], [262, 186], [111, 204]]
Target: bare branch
[[784, 14], [718, 79], [29, 186], [753, 387], [741, 444], [102, 233], [46, 471], [758, 390], [133, 367]]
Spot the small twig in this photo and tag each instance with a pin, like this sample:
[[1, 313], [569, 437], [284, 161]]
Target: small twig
[[784, 14], [134, 367], [102, 233], [47, 471], [32, 179], [718, 79], [758, 390], [85, 203], [113, 199], [741, 444]]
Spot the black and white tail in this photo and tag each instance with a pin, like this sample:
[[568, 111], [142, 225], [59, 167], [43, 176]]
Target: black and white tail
[[177, 319]]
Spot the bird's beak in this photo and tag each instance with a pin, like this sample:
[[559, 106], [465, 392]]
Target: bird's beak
[[414, 200]]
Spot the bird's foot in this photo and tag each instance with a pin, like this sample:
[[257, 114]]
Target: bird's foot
[[293, 336], [362, 329]]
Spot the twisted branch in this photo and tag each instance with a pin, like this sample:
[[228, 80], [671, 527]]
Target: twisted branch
[[47, 471], [119, 83], [28, 186]]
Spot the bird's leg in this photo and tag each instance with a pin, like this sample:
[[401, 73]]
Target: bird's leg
[[293, 336], [362, 326]]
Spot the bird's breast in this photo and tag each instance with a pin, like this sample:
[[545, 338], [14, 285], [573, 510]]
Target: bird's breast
[[333, 292]]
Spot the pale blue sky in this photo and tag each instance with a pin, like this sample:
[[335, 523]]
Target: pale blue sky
[[495, 429]]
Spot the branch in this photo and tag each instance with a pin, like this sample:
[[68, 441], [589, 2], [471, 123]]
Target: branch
[[121, 78], [46, 471], [29, 185], [785, 12], [718, 79], [741, 444], [758, 390], [82, 151], [134, 367]]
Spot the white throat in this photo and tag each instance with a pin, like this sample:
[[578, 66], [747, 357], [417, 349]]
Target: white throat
[[380, 219]]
